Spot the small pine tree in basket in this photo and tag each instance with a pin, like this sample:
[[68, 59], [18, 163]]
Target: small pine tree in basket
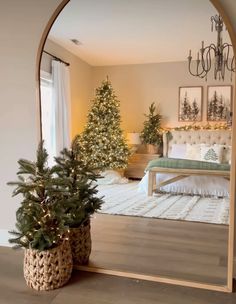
[[80, 200], [152, 131], [40, 223]]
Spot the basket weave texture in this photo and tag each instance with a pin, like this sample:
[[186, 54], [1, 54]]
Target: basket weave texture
[[80, 241], [48, 269]]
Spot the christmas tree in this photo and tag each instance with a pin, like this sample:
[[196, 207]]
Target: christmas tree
[[211, 155], [185, 113], [103, 144], [40, 218], [221, 111], [80, 200], [213, 107], [195, 110], [152, 131]]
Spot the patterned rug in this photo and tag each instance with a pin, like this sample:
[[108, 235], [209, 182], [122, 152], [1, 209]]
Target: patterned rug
[[124, 199]]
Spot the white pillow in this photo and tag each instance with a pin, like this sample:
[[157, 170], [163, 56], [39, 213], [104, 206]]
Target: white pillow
[[193, 151], [177, 151], [226, 154], [212, 154], [111, 177]]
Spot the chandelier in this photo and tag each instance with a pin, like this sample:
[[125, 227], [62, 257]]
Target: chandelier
[[220, 56]]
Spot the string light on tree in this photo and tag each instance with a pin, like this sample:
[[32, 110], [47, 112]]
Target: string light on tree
[[40, 217], [103, 143]]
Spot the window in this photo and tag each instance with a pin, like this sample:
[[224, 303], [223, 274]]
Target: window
[[47, 114]]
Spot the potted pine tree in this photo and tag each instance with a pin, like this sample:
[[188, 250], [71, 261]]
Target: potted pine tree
[[80, 200], [151, 134], [40, 223]]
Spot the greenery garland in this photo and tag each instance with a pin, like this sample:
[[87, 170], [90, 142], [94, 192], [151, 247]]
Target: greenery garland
[[194, 127]]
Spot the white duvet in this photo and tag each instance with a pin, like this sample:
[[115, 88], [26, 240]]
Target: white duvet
[[202, 185]]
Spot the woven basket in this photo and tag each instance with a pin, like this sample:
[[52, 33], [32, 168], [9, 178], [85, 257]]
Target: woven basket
[[48, 269], [152, 149], [80, 241]]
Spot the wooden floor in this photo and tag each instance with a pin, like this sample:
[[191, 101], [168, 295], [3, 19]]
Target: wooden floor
[[173, 249], [90, 288]]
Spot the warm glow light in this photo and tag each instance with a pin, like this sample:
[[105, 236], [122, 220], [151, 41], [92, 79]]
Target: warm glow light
[[133, 138]]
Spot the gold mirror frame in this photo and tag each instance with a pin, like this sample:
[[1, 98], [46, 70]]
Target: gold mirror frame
[[230, 269]]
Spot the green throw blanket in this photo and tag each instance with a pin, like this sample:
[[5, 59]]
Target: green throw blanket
[[176, 163]]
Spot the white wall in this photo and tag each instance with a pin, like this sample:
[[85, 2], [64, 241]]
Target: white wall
[[21, 26], [137, 86]]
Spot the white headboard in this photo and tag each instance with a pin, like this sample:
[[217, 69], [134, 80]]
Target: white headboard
[[222, 137]]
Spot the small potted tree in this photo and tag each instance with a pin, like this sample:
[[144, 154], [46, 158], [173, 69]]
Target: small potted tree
[[151, 134], [40, 224], [80, 200]]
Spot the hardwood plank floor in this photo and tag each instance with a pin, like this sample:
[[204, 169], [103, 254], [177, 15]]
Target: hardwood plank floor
[[174, 249], [90, 288]]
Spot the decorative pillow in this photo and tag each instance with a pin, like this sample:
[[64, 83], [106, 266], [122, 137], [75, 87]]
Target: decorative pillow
[[226, 154], [193, 151], [177, 151], [212, 154]]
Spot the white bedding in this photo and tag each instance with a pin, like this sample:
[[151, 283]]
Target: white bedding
[[202, 185]]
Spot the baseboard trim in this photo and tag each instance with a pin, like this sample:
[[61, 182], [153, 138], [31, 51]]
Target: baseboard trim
[[4, 236]]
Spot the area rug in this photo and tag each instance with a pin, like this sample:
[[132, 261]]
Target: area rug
[[124, 199]]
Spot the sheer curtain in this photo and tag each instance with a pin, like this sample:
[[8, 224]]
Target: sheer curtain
[[60, 106], [47, 114]]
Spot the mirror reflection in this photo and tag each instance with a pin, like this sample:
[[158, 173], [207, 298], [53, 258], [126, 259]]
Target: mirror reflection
[[117, 76]]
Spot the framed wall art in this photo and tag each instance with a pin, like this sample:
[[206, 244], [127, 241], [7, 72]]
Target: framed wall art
[[219, 102], [190, 104]]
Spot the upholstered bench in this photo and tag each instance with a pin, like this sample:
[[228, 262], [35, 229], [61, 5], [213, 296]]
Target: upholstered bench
[[184, 168]]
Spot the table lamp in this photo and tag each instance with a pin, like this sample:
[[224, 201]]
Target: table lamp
[[133, 140]]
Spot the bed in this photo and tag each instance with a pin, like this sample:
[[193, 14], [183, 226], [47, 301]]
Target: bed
[[178, 173]]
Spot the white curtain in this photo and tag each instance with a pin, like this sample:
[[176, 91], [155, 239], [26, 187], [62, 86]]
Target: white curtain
[[61, 106]]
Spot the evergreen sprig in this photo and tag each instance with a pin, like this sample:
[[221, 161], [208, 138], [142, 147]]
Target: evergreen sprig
[[152, 131], [40, 219], [80, 199]]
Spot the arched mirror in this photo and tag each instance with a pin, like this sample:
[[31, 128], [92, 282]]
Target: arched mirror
[[166, 216]]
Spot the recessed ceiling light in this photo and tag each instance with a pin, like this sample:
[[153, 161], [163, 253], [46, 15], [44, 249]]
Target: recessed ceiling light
[[76, 41]]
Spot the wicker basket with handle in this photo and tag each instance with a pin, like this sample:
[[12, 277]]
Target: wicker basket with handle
[[48, 269]]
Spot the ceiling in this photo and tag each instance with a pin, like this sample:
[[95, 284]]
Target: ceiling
[[116, 32]]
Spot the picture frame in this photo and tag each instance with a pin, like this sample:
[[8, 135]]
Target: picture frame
[[219, 103], [190, 104]]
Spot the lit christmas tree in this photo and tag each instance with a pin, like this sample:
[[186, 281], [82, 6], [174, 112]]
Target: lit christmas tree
[[152, 131], [80, 200], [102, 142], [40, 219]]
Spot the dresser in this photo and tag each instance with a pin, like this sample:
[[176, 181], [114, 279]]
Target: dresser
[[137, 164]]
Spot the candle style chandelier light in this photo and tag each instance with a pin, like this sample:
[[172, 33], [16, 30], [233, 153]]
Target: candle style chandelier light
[[220, 56]]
